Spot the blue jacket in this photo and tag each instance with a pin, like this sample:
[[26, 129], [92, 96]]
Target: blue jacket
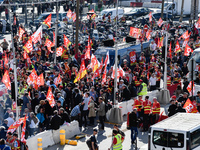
[[7, 147], [40, 116]]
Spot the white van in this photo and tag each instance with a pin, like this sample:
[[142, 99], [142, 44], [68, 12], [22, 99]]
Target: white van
[[113, 13], [179, 132]]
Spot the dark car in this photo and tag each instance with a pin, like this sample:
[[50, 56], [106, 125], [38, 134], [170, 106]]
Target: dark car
[[136, 12], [7, 26]]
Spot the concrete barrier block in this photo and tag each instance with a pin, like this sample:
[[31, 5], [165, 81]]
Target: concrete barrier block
[[47, 140]]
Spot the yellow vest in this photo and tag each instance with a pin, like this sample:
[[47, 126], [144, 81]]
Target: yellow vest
[[144, 89], [118, 146]]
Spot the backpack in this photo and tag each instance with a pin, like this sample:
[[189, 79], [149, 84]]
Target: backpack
[[89, 143]]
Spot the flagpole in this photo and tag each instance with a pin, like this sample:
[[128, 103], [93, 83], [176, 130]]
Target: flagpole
[[15, 71], [56, 31], [116, 53], [165, 69]]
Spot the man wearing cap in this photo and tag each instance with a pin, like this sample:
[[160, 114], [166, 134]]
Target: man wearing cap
[[172, 107], [126, 95], [117, 141], [183, 99], [133, 121], [142, 89], [93, 140]]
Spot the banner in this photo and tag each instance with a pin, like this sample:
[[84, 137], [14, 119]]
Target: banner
[[32, 77], [28, 46], [189, 107], [21, 32], [37, 35], [15, 125], [23, 140], [50, 98], [135, 32], [133, 59], [6, 80], [47, 21]]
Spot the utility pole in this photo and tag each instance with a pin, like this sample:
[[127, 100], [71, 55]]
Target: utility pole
[[33, 5], [182, 5], [77, 25], [15, 70], [25, 12], [56, 31], [162, 8]]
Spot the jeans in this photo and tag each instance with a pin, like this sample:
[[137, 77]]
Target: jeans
[[101, 119], [134, 131]]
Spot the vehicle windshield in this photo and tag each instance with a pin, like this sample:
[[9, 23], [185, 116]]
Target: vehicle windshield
[[196, 56], [103, 12], [42, 17], [165, 5], [168, 139], [134, 10]]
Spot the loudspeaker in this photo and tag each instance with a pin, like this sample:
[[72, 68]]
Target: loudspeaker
[[130, 39], [108, 43]]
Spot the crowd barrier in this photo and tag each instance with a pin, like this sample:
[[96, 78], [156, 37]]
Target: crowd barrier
[[52, 137]]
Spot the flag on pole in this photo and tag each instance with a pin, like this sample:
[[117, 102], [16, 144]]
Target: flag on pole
[[28, 46], [49, 44], [87, 54], [59, 51], [50, 97], [133, 59], [150, 17], [177, 49], [47, 21], [5, 60], [6, 80], [170, 50], [58, 80], [40, 80], [23, 140], [37, 35], [189, 88], [188, 50], [189, 107], [74, 17], [66, 41], [160, 22], [69, 14], [21, 32], [197, 24], [82, 72], [16, 124]]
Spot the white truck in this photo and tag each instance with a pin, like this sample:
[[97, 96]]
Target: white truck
[[175, 7], [178, 132]]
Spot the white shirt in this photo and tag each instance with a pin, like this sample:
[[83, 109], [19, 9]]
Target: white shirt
[[152, 81], [10, 121], [86, 101], [153, 46]]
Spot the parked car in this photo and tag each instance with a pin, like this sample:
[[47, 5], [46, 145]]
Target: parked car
[[136, 12], [157, 16]]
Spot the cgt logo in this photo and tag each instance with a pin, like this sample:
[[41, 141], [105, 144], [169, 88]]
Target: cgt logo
[[189, 108]]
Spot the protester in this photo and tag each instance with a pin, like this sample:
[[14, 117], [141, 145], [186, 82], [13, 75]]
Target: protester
[[133, 122], [3, 145], [117, 141], [55, 121], [101, 112]]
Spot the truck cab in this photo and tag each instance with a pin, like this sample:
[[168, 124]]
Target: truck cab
[[169, 7], [178, 132]]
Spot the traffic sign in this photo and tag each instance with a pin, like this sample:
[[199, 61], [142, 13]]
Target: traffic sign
[[145, 28]]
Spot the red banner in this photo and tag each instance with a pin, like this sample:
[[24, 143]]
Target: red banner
[[135, 32], [23, 131], [15, 125], [190, 108], [133, 59]]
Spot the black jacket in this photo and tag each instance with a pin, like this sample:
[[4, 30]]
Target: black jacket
[[55, 122], [172, 110], [133, 120], [65, 117], [180, 109]]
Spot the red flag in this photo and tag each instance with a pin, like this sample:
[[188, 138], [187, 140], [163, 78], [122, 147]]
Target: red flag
[[69, 14], [58, 80], [28, 46], [14, 21], [49, 44], [135, 32], [54, 38], [160, 22], [6, 80], [177, 49], [150, 17], [98, 71], [106, 62], [32, 77], [188, 50], [16, 124], [50, 98], [37, 35], [23, 131], [66, 41], [87, 54], [21, 32], [74, 17], [47, 21], [185, 42], [184, 35], [148, 35], [40, 80], [25, 55], [59, 51], [170, 50], [82, 72], [133, 59], [189, 88], [5, 60], [189, 107]]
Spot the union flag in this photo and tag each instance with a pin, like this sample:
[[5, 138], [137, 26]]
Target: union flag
[[50, 97], [59, 51], [6, 80], [177, 49], [28, 46], [47, 21], [160, 22], [188, 50], [190, 107], [82, 72]]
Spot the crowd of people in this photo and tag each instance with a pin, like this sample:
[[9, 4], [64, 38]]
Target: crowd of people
[[88, 100]]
